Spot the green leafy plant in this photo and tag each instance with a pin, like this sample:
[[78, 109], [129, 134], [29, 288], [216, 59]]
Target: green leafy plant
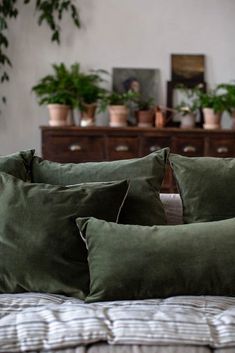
[[229, 90], [57, 88], [86, 86], [189, 104], [214, 100], [114, 98], [49, 12], [144, 104]]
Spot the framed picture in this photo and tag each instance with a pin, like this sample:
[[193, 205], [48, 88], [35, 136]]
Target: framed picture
[[144, 81], [187, 67]]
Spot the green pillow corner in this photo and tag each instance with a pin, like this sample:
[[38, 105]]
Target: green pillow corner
[[40, 246], [17, 164], [206, 186], [142, 206], [159, 261]]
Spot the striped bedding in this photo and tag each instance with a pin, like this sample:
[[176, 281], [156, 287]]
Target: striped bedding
[[41, 322]]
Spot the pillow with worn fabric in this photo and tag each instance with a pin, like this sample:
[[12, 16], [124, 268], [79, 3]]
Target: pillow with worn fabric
[[206, 186], [17, 164], [40, 246], [142, 206], [159, 261]]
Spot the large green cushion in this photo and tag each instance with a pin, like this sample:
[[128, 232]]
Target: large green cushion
[[206, 186], [40, 246], [142, 206], [17, 164], [137, 262]]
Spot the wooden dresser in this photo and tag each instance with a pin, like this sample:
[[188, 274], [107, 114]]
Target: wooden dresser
[[75, 144]]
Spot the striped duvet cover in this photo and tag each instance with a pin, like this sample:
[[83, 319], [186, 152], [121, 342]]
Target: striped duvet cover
[[34, 322]]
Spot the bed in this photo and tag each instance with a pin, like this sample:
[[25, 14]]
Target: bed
[[42, 322]]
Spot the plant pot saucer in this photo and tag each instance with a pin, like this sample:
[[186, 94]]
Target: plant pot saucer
[[211, 126]]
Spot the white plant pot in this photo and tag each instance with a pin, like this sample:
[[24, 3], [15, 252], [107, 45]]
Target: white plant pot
[[187, 121]]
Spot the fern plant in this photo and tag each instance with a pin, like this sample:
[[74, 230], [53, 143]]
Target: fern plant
[[49, 12]]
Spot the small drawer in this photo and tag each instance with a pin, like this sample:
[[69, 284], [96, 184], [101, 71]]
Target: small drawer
[[188, 146], [152, 144], [122, 147], [75, 148], [221, 147]]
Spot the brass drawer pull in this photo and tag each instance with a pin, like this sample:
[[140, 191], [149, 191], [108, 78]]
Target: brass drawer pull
[[222, 149], [189, 149], [154, 148], [75, 147], [122, 148]]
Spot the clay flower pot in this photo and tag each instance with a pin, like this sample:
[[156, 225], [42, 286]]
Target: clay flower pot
[[59, 114], [88, 115], [118, 115], [145, 118], [212, 120]]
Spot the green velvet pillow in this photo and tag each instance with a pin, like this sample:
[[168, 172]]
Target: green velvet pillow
[[17, 164], [206, 186], [137, 262], [142, 206], [40, 246]]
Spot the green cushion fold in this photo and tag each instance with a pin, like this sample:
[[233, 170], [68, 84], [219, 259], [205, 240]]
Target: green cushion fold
[[206, 186], [142, 206], [138, 262], [40, 246], [17, 164]]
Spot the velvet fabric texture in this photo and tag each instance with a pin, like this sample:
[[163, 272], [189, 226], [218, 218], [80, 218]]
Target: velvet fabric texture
[[17, 164], [137, 262], [206, 186], [142, 206], [40, 246]]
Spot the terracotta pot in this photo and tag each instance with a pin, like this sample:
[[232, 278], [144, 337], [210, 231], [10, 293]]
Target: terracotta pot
[[59, 114], [212, 120], [187, 121], [145, 118], [118, 115], [88, 115]]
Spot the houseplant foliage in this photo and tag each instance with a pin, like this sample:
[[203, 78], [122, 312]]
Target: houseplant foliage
[[145, 111], [49, 12]]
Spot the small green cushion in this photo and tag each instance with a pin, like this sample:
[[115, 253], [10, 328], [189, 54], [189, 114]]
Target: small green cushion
[[142, 206], [206, 186], [40, 246], [17, 164], [137, 262]]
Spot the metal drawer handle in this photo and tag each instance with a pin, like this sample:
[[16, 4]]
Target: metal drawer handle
[[189, 149], [154, 148], [222, 149], [75, 147], [122, 148]]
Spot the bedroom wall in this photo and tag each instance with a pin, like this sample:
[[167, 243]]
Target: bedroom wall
[[134, 33]]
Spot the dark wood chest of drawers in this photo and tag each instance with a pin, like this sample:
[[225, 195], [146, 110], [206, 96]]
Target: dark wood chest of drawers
[[74, 144]]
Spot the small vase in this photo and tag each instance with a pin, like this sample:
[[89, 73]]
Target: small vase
[[118, 115], [212, 120]]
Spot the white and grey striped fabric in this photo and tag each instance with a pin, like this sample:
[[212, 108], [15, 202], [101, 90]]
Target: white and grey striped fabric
[[39, 322]]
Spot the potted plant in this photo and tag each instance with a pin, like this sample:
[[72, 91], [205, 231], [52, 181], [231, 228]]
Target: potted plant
[[86, 91], [145, 112], [117, 104], [55, 90], [188, 107], [229, 90], [213, 104]]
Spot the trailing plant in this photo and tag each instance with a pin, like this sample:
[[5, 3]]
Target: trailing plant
[[49, 12], [114, 98], [189, 104], [57, 88]]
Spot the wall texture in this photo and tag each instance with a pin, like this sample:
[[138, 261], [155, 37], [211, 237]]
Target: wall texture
[[134, 33]]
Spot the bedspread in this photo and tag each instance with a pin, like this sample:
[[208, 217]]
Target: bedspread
[[38, 322]]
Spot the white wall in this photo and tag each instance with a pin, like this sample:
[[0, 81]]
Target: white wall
[[134, 33]]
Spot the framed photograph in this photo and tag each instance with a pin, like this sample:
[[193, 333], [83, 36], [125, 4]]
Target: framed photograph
[[144, 81], [187, 67]]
